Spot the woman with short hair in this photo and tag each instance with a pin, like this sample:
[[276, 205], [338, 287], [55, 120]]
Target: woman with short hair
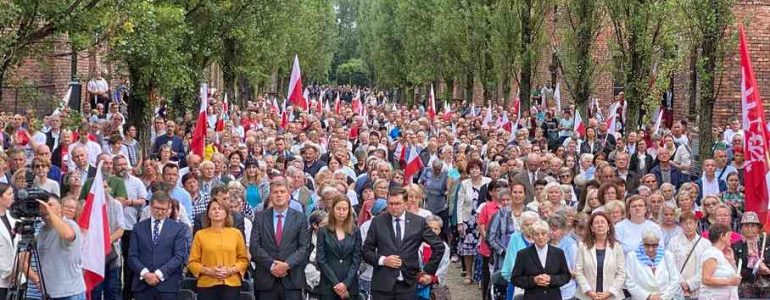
[[540, 269], [651, 270]]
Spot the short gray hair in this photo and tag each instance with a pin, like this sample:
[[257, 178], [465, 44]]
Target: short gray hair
[[650, 235], [540, 226], [434, 218]]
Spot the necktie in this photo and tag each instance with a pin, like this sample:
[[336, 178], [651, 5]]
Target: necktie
[[279, 230], [155, 230], [398, 230]]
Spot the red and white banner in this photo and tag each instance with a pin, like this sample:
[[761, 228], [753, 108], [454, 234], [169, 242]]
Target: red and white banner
[[201, 124], [756, 178], [579, 126], [357, 105], [431, 109], [413, 164], [295, 95], [488, 117], [284, 116], [96, 233], [337, 106]]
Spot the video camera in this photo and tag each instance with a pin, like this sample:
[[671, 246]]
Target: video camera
[[25, 207]]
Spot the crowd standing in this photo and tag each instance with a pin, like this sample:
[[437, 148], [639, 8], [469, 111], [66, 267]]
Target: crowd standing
[[360, 198]]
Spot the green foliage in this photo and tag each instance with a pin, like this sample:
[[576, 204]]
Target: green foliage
[[352, 72], [583, 21]]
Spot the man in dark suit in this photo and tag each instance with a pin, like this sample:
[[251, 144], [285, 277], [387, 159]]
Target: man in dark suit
[[280, 247], [529, 175], [667, 172], [631, 178], [392, 245], [540, 269], [157, 252], [221, 195]]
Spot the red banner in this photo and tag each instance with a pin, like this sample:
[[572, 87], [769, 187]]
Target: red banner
[[756, 149]]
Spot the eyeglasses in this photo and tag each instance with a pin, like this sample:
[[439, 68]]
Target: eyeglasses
[[39, 166], [650, 245]]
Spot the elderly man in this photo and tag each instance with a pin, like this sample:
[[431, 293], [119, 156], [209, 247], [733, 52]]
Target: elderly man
[[177, 146], [43, 152], [530, 174], [302, 198]]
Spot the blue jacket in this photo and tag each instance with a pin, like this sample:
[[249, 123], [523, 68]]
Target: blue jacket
[[168, 254], [677, 178]]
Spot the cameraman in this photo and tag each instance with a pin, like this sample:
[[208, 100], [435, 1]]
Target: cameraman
[[8, 240], [59, 244]]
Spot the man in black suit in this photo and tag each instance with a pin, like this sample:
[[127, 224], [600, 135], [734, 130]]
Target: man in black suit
[[280, 247], [540, 269], [622, 161], [392, 245], [221, 195], [157, 252]]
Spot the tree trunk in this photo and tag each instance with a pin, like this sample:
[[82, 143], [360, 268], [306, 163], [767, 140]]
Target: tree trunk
[[693, 105], [228, 69], [506, 82], [707, 96], [245, 90], [469, 85], [525, 74], [137, 106]]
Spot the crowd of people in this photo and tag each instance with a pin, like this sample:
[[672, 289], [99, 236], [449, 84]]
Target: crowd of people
[[373, 199]]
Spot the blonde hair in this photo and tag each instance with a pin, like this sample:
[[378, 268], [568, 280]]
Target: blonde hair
[[417, 191]]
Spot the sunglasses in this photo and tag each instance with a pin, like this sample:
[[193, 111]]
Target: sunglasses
[[651, 245]]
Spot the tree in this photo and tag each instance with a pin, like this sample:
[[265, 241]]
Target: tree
[[643, 46], [705, 27], [352, 72], [583, 22], [26, 23], [531, 14]]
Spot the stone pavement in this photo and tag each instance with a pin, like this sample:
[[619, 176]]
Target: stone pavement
[[457, 288]]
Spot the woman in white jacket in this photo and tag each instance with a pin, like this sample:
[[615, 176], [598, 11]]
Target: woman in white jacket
[[470, 196], [600, 267], [651, 272], [8, 240]]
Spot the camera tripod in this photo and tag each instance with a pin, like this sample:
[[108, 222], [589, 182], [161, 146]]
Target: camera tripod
[[25, 253]]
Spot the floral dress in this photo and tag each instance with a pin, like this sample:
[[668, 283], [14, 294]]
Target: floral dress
[[469, 243]]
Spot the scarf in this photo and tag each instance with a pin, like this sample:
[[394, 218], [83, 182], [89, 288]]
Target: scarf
[[645, 260]]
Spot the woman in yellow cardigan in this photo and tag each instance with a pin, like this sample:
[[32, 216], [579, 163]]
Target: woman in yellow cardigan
[[218, 257]]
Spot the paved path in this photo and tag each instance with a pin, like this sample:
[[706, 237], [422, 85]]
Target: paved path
[[457, 288]]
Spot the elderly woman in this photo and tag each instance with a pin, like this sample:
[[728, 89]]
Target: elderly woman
[[551, 193], [540, 269], [616, 210], [519, 240], [720, 278], [468, 200], [500, 229], [686, 248], [668, 223], [752, 256], [651, 270], [600, 267], [41, 167], [414, 200]]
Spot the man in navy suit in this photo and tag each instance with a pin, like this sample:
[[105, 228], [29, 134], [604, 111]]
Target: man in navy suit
[[280, 247], [158, 251]]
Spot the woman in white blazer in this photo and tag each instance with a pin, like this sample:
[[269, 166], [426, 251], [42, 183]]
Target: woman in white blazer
[[8, 240], [651, 271], [469, 198], [600, 258]]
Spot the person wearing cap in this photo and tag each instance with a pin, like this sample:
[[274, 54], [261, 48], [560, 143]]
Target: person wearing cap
[[754, 264]]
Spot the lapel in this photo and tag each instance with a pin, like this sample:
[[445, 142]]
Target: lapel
[[268, 222], [391, 231], [592, 258], [4, 232], [536, 258], [165, 231]]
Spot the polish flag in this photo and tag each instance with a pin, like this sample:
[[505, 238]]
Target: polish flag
[[295, 86], [220, 126], [326, 106], [276, 109], [505, 123], [756, 177], [284, 116], [96, 232], [473, 109], [199, 133], [431, 104], [447, 111], [400, 152], [488, 117], [579, 126], [413, 164], [337, 106], [358, 107], [611, 121], [557, 97], [658, 120]]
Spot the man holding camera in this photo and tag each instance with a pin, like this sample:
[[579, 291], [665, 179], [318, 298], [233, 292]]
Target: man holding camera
[[59, 244]]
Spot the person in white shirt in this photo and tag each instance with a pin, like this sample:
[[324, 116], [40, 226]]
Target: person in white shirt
[[733, 130], [651, 271], [93, 149], [687, 248], [629, 231]]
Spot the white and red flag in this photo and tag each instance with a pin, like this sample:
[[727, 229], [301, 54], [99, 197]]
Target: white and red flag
[[295, 94], [96, 233], [579, 126], [658, 120], [447, 111], [413, 164], [505, 123], [284, 116], [488, 117], [557, 98], [337, 106], [431, 109], [756, 178], [201, 124], [356, 104]]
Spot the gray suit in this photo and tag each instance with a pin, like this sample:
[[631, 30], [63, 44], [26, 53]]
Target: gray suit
[[294, 250], [523, 177]]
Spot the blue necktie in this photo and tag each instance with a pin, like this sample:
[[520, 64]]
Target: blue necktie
[[155, 230]]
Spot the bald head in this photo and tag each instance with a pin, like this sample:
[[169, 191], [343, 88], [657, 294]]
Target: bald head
[[532, 161]]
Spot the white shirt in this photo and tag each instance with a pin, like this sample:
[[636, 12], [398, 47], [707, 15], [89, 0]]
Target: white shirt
[[152, 232], [92, 148], [629, 234], [401, 219], [710, 187], [542, 254], [135, 189]]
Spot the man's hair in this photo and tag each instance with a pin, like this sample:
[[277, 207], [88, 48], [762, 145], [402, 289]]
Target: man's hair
[[169, 165], [160, 197], [279, 181], [218, 190]]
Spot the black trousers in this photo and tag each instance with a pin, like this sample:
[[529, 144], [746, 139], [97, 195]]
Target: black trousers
[[128, 275], [218, 292], [401, 291], [3, 293], [153, 294], [279, 292], [485, 276]]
